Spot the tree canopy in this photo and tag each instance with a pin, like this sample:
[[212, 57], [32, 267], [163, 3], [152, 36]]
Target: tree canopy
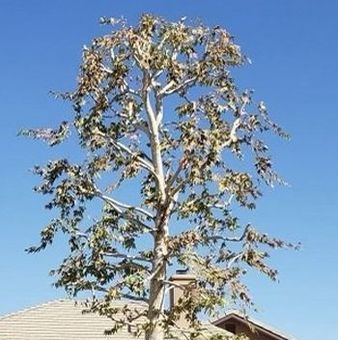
[[156, 110]]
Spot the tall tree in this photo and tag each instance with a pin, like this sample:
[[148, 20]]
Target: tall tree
[[156, 109]]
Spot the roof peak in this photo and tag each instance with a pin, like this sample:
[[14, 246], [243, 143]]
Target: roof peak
[[40, 305]]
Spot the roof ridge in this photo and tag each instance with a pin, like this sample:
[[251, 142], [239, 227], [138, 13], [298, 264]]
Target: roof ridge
[[60, 300], [40, 305]]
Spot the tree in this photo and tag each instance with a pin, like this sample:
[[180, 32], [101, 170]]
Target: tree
[[156, 109]]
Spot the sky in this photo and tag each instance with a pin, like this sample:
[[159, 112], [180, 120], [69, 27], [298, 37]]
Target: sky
[[294, 52]]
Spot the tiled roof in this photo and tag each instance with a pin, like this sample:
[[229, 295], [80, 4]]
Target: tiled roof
[[63, 320]]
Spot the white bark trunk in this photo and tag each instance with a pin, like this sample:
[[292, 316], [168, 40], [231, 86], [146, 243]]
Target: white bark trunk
[[157, 289], [158, 275]]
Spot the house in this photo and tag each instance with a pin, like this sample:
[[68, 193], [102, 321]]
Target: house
[[64, 320], [238, 323]]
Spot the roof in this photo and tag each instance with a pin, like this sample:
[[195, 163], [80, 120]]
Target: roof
[[271, 331], [64, 320]]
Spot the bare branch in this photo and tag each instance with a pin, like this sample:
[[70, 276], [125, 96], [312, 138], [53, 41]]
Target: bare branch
[[157, 74], [230, 239], [123, 295], [134, 298], [167, 90], [128, 257], [126, 206], [143, 162], [181, 166], [232, 137], [118, 207], [172, 284], [234, 259]]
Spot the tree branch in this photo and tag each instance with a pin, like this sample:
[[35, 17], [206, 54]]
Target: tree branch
[[154, 135], [143, 162], [134, 298], [234, 259], [126, 206], [121, 147], [173, 284], [123, 295], [118, 207], [181, 166], [128, 257], [230, 239], [166, 90], [232, 137]]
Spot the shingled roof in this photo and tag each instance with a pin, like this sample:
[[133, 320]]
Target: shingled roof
[[64, 320]]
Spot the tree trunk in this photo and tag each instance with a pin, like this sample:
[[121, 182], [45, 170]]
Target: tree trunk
[[157, 287]]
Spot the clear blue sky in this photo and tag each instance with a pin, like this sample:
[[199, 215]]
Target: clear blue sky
[[293, 46]]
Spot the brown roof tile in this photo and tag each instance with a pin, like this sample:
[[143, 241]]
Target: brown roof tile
[[64, 320]]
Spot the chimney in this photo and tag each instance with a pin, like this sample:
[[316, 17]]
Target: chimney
[[181, 279]]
